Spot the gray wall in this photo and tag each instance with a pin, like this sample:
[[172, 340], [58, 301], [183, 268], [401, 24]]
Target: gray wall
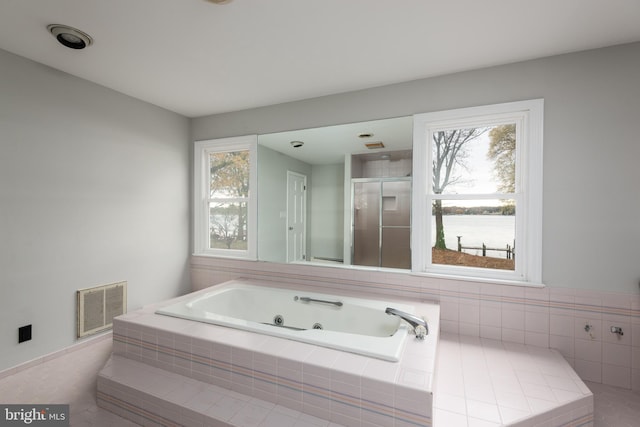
[[324, 206], [592, 107], [94, 188], [327, 201], [272, 201]]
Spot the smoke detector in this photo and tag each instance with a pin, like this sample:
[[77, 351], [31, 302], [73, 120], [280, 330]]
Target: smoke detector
[[69, 36]]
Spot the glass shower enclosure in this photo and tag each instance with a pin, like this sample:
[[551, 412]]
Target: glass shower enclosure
[[381, 222]]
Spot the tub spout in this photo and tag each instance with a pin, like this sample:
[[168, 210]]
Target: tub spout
[[419, 325]]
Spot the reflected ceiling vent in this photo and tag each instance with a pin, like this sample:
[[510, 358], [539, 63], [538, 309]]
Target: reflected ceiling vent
[[69, 36], [374, 145], [365, 135]]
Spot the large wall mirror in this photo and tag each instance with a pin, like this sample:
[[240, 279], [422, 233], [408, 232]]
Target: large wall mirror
[[337, 195]]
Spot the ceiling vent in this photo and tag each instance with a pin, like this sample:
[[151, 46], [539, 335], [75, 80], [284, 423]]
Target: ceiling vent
[[374, 145]]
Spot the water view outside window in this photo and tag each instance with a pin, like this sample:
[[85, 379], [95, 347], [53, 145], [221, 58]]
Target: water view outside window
[[228, 199], [474, 196]]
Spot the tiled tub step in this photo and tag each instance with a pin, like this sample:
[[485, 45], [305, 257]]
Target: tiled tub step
[[479, 382], [151, 396]]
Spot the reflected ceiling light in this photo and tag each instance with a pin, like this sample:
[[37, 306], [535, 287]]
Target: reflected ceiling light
[[219, 1], [296, 144], [365, 135], [69, 36]]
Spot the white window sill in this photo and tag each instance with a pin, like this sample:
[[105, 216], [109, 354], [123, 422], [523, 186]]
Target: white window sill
[[473, 279], [225, 256]]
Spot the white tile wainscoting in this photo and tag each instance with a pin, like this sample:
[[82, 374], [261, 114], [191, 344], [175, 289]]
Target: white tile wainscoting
[[544, 317]]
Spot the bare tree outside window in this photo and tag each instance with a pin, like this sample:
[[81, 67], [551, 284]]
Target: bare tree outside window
[[473, 208], [449, 155]]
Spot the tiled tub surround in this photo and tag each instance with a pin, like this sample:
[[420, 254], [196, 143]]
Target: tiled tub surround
[[479, 382], [342, 387], [550, 317]]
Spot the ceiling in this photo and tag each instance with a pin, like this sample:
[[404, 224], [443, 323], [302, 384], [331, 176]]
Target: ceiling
[[329, 145], [197, 58]]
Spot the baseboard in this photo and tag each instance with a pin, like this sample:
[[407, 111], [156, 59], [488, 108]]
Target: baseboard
[[54, 355]]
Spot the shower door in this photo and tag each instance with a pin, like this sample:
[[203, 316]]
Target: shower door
[[382, 222]]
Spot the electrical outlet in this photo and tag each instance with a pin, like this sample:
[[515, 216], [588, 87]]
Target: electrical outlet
[[24, 334]]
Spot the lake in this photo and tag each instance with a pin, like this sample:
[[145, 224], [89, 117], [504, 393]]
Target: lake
[[495, 231]]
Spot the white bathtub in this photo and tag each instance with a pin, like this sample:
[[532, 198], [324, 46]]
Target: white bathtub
[[352, 324]]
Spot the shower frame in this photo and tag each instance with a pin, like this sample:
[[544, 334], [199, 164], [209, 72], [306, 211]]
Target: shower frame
[[381, 227]]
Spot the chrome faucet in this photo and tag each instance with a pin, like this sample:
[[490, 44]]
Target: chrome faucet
[[420, 326]]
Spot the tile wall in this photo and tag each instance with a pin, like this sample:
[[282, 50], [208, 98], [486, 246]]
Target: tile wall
[[575, 322]]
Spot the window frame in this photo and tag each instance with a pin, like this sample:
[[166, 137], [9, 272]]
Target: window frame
[[202, 150], [528, 195]]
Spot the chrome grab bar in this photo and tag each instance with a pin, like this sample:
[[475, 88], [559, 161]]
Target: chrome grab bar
[[307, 299]]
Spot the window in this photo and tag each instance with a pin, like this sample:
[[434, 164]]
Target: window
[[478, 187], [225, 201]]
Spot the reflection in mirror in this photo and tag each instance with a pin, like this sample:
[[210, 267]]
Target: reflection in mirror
[[306, 183], [382, 221]]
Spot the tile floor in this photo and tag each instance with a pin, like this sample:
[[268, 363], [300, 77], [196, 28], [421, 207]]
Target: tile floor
[[71, 379], [68, 379]]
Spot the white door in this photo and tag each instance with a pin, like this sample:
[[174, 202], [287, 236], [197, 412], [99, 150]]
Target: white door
[[296, 216]]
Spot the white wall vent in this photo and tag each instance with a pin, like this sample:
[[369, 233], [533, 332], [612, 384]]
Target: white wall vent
[[98, 306]]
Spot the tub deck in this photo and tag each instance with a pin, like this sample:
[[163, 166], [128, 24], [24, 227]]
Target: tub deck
[[484, 382], [344, 388]]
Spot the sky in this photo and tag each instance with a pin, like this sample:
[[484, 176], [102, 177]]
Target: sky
[[478, 177]]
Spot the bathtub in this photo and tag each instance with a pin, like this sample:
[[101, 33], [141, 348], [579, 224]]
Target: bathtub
[[344, 323]]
